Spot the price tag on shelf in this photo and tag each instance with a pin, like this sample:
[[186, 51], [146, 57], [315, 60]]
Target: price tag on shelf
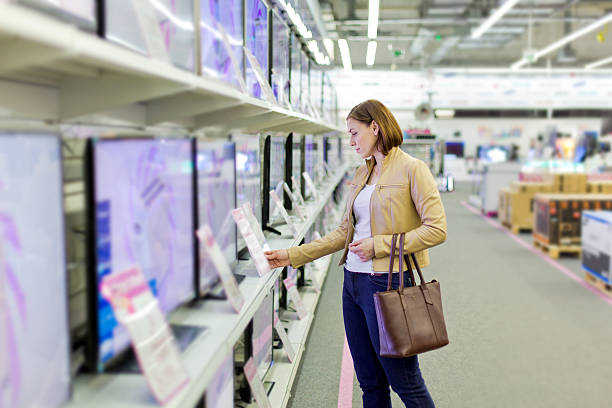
[[283, 211], [282, 334], [213, 254], [228, 48], [295, 298], [262, 78], [255, 248], [311, 185], [296, 190], [295, 201], [146, 18], [137, 309], [256, 384], [248, 212]]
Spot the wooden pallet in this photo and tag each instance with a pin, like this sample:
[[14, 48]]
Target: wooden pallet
[[598, 284], [554, 251], [516, 228]]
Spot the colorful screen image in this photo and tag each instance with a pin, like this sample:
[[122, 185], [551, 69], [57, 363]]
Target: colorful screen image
[[310, 158], [295, 74], [305, 78], [143, 191], [173, 33], [277, 168], [34, 333], [297, 158], [216, 169], [83, 12], [248, 176], [280, 60], [220, 392], [263, 320], [215, 60], [256, 42]]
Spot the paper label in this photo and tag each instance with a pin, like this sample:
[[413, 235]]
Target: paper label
[[282, 334], [261, 77], [253, 244], [137, 309], [212, 252], [295, 298], [230, 52], [248, 212], [283, 212], [310, 185], [295, 201], [256, 384], [151, 32]]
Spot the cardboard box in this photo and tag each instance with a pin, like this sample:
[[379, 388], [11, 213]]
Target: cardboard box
[[599, 187], [557, 219], [525, 187], [503, 204], [570, 183], [597, 244]]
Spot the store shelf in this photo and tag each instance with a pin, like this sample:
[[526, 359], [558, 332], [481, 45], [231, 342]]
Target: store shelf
[[51, 70], [206, 354]]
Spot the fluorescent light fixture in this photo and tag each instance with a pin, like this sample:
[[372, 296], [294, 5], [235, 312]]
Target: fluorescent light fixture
[[599, 63], [345, 54], [494, 18], [445, 10], [373, 18], [371, 55], [445, 113]]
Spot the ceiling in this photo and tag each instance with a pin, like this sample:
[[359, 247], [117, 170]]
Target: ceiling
[[416, 34]]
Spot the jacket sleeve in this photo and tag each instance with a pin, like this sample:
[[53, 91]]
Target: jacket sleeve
[[428, 204]]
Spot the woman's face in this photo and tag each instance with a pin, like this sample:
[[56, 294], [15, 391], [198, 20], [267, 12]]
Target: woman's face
[[363, 137]]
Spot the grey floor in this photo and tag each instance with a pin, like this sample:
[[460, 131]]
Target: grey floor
[[522, 333]]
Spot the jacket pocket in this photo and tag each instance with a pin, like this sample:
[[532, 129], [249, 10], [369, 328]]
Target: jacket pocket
[[395, 203]]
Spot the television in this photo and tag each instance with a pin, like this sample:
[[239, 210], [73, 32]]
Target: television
[[248, 177], [316, 87], [215, 167], [215, 60], [261, 336], [310, 159], [297, 161], [493, 154], [256, 34], [34, 339], [141, 211], [220, 391], [455, 148], [279, 74], [82, 13], [305, 79], [127, 23], [273, 177], [295, 71]]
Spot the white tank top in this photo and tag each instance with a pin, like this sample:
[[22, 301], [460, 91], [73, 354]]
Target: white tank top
[[361, 209]]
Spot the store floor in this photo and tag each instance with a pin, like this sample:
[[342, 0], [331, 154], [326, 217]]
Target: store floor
[[523, 332]]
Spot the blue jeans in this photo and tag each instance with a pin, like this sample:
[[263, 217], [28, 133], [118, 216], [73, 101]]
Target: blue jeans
[[376, 373]]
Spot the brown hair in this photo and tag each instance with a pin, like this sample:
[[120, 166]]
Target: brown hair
[[389, 134]]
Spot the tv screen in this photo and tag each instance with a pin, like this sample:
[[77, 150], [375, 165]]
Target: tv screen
[[263, 320], [81, 12], [455, 148], [220, 391], [173, 36], [295, 73], [310, 157], [142, 210], [280, 58], [248, 176], [216, 181], [215, 59], [34, 333], [256, 42], [316, 84], [305, 78]]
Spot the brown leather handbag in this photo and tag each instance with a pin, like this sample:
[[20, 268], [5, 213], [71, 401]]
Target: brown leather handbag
[[410, 319]]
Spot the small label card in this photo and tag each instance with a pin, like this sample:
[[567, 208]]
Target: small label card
[[248, 212], [262, 78], [212, 252], [295, 201], [137, 309], [283, 211], [296, 190], [295, 298], [280, 329], [255, 248], [310, 185], [256, 384]]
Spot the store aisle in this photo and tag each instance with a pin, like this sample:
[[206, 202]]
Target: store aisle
[[522, 332]]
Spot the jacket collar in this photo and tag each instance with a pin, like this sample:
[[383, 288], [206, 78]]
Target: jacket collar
[[388, 159]]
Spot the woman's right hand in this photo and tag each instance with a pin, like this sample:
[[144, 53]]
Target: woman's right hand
[[278, 258]]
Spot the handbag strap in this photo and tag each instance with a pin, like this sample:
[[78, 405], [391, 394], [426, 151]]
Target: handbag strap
[[416, 264], [391, 258]]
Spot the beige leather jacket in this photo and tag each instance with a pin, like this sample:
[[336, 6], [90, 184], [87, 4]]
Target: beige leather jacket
[[406, 199]]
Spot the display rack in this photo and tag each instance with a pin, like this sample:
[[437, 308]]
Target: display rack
[[206, 354], [53, 71]]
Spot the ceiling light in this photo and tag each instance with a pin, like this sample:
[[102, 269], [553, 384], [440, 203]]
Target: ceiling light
[[445, 10], [345, 54], [373, 18], [371, 55], [507, 30], [445, 113], [494, 18], [599, 63]]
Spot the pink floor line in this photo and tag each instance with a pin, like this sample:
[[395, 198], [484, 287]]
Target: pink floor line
[[345, 391], [534, 251]]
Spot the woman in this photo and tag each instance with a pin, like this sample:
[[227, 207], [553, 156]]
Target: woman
[[391, 193]]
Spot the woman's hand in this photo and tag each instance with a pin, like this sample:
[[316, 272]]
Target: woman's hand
[[278, 258], [364, 248]]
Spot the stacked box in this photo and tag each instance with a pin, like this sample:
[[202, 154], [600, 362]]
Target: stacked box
[[519, 205], [558, 216], [502, 206], [599, 187], [570, 183], [597, 244]]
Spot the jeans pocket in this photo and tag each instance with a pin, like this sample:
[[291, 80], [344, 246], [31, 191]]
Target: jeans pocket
[[380, 282]]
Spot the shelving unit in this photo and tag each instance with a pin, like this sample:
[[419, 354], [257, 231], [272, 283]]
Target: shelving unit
[[53, 71], [224, 327]]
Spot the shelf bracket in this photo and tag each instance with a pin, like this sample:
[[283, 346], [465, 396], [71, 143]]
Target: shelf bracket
[[186, 105]]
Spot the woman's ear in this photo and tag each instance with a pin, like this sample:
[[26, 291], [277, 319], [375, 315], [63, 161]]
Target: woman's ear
[[375, 128]]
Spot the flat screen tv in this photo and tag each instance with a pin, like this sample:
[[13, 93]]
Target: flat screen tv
[[34, 332], [82, 13], [215, 61], [220, 391], [141, 209], [273, 177], [295, 71], [263, 324], [280, 58], [248, 176], [455, 148], [216, 197], [256, 34], [305, 79]]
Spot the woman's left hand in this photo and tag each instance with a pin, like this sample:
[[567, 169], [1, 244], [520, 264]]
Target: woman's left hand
[[364, 248]]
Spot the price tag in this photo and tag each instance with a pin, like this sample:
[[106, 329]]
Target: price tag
[[248, 212], [310, 185], [253, 244], [280, 329], [212, 252], [256, 384], [295, 201], [149, 27], [137, 309], [283, 212], [295, 298], [261, 77]]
